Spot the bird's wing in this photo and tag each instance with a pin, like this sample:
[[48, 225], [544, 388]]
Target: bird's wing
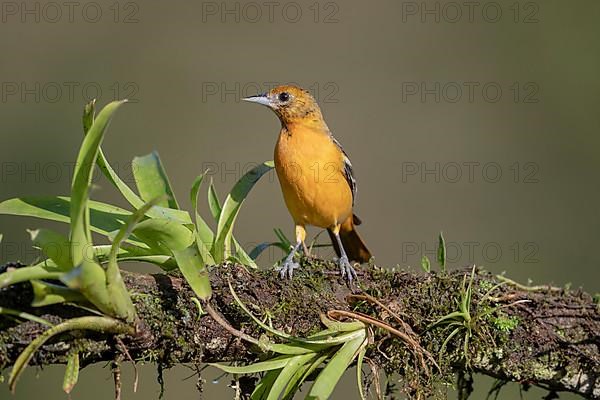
[[348, 172]]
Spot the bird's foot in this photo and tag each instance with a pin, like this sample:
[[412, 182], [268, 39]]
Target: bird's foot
[[286, 270], [346, 269]]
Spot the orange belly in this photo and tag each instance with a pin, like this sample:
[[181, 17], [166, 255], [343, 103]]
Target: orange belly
[[310, 170]]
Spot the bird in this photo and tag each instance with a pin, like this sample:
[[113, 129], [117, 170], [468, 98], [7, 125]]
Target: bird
[[316, 177]]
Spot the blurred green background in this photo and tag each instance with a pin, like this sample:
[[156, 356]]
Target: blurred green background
[[481, 121]]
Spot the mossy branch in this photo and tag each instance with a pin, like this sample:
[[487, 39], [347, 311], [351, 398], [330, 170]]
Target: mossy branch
[[545, 337]]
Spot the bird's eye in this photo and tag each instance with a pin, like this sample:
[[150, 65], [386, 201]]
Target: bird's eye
[[284, 96]]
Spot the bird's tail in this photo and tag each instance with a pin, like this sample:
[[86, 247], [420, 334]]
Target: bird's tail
[[356, 250]]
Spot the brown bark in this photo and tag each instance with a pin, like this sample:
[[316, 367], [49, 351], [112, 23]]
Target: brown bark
[[542, 336]]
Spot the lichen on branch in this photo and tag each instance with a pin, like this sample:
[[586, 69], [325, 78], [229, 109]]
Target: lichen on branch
[[543, 336]]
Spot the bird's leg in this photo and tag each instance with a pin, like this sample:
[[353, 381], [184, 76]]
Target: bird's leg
[[287, 267], [306, 251], [343, 262]]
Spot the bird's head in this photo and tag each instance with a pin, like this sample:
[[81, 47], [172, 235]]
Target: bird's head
[[292, 104]]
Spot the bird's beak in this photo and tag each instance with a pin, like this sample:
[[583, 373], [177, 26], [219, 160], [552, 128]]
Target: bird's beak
[[260, 99]]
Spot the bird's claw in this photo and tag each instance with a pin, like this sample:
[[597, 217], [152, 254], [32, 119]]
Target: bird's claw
[[286, 270], [347, 270]]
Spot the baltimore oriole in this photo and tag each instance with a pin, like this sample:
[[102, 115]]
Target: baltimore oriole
[[315, 175]]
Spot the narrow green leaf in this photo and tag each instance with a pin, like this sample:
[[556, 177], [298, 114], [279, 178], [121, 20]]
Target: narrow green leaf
[[257, 251], [194, 270], [24, 315], [204, 251], [335, 368], [289, 392], [451, 316], [98, 324], [71, 372], [290, 374], [240, 256], [338, 326], [214, 204], [359, 365], [441, 253], [425, 264], [102, 251], [45, 294], [113, 178], [104, 218], [293, 348], [324, 334], [195, 189], [152, 181], [446, 341], [261, 391], [130, 252], [204, 235], [89, 113], [82, 177], [231, 208], [44, 270], [268, 365], [54, 245]]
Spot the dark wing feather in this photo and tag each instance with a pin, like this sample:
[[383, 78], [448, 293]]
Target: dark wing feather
[[348, 172]]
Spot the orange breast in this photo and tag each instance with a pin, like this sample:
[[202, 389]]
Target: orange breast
[[310, 170]]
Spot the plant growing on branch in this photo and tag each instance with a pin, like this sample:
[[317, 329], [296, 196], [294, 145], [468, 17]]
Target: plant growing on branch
[[156, 230]]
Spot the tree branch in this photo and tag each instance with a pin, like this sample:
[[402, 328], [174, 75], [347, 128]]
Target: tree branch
[[540, 336]]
